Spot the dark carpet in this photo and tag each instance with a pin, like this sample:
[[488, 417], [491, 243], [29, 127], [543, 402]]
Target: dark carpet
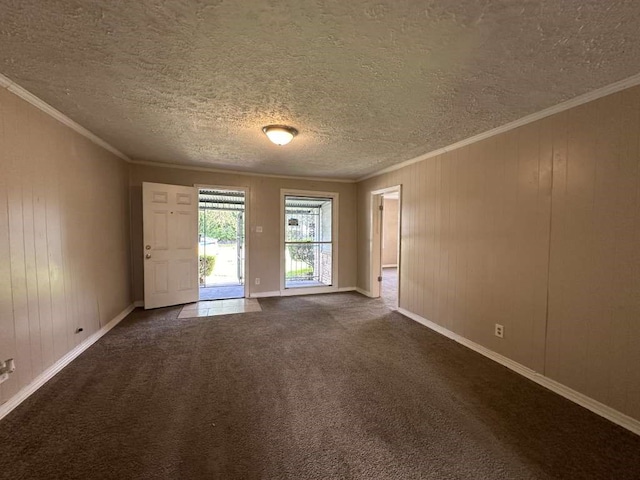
[[318, 387]]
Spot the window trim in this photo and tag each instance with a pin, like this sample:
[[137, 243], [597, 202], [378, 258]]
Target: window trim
[[334, 196]]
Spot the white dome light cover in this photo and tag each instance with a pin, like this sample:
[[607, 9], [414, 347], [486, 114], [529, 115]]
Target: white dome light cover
[[280, 134]]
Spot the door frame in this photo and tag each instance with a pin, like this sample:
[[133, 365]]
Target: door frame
[[375, 258], [334, 196], [247, 213]]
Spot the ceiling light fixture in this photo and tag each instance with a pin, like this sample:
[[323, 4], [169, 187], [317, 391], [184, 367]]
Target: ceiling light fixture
[[280, 134]]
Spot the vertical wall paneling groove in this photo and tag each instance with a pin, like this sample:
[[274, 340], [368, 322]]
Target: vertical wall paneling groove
[[423, 219], [56, 190], [69, 261], [60, 308], [15, 157], [432, 227], [593, 305], [538, 229], [409, 227], [553, 131], [31, 272], [39, 185], [7, 328]]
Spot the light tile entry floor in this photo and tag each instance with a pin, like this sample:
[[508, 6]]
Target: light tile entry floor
[[220, 307]]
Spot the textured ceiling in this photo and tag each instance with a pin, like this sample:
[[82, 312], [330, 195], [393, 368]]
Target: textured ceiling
[[367, 83]]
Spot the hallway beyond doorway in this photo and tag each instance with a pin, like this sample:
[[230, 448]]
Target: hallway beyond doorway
[[389, 287]]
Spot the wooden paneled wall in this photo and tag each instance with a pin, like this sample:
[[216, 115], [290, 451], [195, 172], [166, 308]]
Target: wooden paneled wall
[[593, 338], [64, 239], [390, 232], [537, 229]]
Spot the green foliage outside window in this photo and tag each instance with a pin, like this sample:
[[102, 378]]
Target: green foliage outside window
[[219, 224], [206, 264], [302, 253]]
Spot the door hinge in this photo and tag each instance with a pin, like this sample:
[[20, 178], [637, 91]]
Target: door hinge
[[379, 279], [381, 207]]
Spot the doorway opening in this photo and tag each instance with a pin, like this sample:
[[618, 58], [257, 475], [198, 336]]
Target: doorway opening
[[221, 243], [385, 259], [308, 253]]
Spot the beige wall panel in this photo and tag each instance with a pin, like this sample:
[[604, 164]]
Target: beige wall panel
[[364, 236], [39, 186], [60, 308], [264, 211], [409, 231], [544, 216], [31, 269], [15, 128], [64, 225], [426, 232], [594, 305], [390, 232], [475, 229], [7, 327]]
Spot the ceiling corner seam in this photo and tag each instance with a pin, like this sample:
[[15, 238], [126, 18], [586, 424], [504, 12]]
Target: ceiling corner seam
[[610, 89], [43, 106]]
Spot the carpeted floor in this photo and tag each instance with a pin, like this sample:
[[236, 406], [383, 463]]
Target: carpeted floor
[[389, 287], [318, 387]]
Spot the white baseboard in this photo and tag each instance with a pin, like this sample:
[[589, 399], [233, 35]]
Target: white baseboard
[[265, 294], [294, 292], [347, 289], [587, 402], [301, 291], [391, 265], [50, 372], [138, 304], [366, 293]]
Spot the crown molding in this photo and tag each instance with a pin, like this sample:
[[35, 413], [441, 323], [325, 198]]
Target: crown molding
[[561, 107], [29, 97], [235, 172]]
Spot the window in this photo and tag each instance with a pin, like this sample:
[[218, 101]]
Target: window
[[308, 240]]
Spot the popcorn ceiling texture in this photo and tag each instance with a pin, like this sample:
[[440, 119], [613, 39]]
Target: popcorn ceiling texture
[[368, 83]]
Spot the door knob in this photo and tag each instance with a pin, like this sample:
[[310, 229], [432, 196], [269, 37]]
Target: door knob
[[147, 256]]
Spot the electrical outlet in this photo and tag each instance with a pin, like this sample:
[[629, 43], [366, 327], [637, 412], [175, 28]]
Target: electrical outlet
[[6, 368], [499, 331], [257, 281]]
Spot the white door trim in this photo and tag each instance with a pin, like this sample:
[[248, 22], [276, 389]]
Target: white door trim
[[247, 214], [375, 259]]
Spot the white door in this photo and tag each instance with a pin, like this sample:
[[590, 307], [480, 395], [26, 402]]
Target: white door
[[170, 233]]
